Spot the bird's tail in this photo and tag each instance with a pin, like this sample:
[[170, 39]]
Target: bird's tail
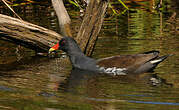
[[157, 60]]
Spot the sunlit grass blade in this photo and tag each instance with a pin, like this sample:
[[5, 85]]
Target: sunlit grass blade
[[113, 10], [72, 2], [75, 3], [123, 4], [124, 11]]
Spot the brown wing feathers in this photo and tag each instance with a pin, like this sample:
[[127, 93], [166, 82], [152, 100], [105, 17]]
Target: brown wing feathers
[[125, 61]]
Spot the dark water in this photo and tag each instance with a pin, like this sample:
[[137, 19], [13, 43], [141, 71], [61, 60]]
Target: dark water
[[29, 82]]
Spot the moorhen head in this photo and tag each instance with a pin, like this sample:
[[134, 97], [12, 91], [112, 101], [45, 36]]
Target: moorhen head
[[66, 44], [77, 57], [115, 65]]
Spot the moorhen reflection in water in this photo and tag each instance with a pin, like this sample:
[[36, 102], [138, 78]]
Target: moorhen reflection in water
[[90, 80], [76, 78]]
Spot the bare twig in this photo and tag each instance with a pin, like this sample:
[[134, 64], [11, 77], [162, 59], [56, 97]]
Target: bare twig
[[63, 17], [11, 9]]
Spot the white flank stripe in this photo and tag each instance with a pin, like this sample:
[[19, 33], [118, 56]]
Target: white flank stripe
[[113, 70]]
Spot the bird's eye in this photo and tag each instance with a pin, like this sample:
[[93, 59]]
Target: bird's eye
[[62, 42]]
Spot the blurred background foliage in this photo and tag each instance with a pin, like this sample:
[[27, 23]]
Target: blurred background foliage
[[116, 7]]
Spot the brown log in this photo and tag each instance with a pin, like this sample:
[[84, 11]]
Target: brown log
[[91, 25], [41, 39], [29, 35]]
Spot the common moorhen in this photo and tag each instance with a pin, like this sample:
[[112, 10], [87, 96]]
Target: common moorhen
[[116, 65]]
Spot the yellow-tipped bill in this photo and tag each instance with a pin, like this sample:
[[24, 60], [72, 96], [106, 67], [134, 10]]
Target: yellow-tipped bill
[[55, 47], [51, 50]]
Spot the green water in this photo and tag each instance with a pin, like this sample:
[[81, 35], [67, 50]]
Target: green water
[[29, 82]]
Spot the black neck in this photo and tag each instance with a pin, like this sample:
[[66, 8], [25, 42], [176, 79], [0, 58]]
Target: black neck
[[74, 49], [78, 58]]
